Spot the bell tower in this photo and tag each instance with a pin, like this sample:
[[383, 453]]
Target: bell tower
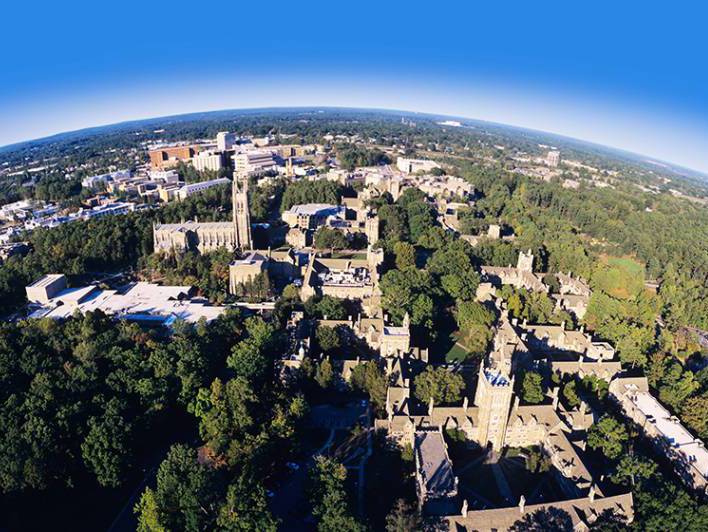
[[241, 214]]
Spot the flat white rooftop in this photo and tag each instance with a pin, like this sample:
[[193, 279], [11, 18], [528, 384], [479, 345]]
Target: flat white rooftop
[[675, 433], [141, 302], [315, 208], [46, 280]]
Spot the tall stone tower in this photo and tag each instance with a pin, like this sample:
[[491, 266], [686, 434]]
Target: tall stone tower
[[495, 386], [241, 214], [493, 397], [525, 262], [371, 227]]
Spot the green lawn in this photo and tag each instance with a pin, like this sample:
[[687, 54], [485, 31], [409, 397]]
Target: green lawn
[[456, 354]]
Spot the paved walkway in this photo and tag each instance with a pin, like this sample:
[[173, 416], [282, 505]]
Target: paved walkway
[[471, 464], [486, 502], [290, 498], [362, 472], [126, 520], [502, 484]]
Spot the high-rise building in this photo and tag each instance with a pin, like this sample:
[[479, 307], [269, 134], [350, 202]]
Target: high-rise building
[[208, 160], [169, 156], [553, 158], [411, 166], [493, 397], [254, 162], [225, 140]]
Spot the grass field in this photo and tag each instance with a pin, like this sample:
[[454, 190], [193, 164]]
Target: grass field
[[456, 354], [622, 277]]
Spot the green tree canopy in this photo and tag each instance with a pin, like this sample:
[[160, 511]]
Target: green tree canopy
[[439, 384], [532, 387], [328, 238], [609, 436], [329, 498]]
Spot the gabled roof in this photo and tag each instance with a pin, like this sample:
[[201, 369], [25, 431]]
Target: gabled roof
[[581, 513]]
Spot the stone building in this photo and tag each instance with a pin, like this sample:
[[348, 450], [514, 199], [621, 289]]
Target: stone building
[[686, 453], [312, 215], [522, 276], [388, 340], [581, 513], [574, 295], [575, 304], [351, 218], [497, 420], [345, 278], [210, 236], [245, 270], [436, 483], [411, 166], [285, 265]]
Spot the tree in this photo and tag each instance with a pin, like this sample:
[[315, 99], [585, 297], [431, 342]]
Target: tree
[[677, 384], [421, 218], [570, 394], [405, 255], [225, 413], [106, 447], [403, 518], [327, 238], [185, 497], [149, 513], [633, 344], [350, 156], [329, 498], [608, 435], [328, 338], [393, 223], [632, 469], [434, 238], [306, 191], [324, 375], [532, 387], [409, 291], [329, 307], [666, 506], [369, 378], [596, 385], [245, 509], [453, 265], [694, 412], [439, 384], [472, 313], [475, 323], [252, 358], [537, 461]]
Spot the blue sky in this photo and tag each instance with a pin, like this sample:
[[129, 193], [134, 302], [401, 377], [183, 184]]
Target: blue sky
[[631, 75]]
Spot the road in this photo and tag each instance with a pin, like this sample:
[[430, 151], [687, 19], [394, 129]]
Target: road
[[126, 520], [288, 501]]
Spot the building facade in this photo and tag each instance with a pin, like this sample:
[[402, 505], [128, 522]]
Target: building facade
[[210, 236]]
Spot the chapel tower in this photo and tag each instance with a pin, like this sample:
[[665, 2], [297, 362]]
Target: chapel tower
[[241, 214]]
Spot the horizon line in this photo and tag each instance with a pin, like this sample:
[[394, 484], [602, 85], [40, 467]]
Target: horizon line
[[647, 158]]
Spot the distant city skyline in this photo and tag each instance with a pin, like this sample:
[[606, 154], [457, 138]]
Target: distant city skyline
[[631, 81]]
